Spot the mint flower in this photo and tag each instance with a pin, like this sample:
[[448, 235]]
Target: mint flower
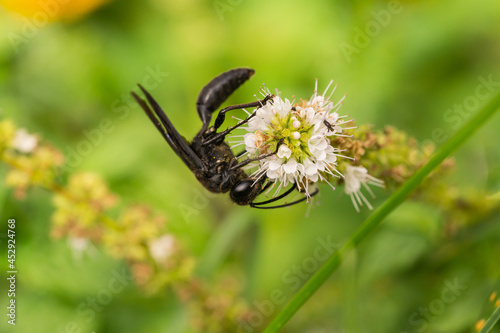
[[305, 154], [355, 177]]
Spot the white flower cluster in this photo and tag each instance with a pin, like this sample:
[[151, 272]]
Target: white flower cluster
[[305, 154], [302, 131], [162, 248], [24, 142], [81, 245]]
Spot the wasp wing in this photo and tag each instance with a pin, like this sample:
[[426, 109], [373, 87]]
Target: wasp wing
[[168, 131]]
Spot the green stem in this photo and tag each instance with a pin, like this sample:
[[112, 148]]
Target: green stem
[[221, 242], [492, 320], [313, 284]]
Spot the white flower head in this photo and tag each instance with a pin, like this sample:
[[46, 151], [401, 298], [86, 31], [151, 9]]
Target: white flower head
[[355, 177], [162, 248], [81, 245], [302, 130], [24, 142]]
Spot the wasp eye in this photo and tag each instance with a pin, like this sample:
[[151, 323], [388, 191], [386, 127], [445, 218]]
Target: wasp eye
[[240, 193]]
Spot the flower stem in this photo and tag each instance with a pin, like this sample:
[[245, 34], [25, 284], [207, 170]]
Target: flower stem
[[221, 243], [492, 320], [324, 272]]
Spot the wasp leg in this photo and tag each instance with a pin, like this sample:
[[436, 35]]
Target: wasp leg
[[222, 114], [218, 90], [258, 204], [168, 131], [241, 153], [218, 121], [250, 160], [221, 135], [290, 190]]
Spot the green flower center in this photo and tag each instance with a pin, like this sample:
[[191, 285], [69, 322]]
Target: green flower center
[[282, 128]]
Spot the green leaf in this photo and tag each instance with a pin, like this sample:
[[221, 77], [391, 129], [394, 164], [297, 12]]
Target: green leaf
[[492, 320]]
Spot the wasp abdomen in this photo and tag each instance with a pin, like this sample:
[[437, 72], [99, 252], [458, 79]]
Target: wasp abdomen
[[218, 90]]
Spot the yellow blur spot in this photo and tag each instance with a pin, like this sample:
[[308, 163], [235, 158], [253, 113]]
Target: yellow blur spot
[[493, 296], [52, 10], [497, 303], [480, 324]]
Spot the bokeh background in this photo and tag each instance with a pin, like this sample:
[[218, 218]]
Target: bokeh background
[[60, 79]]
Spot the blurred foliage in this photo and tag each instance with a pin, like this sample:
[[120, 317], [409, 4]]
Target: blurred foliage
[[137, 235], [51, 10], [70, 82]]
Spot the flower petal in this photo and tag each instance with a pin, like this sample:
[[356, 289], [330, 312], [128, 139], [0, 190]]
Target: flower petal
[[284, 151], [320, 155], [290, 166], [275, 164]]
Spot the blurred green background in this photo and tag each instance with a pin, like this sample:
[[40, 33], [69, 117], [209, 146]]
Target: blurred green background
[[63, 79]]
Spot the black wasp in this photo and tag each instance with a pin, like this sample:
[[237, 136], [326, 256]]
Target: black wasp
[[208, 155]]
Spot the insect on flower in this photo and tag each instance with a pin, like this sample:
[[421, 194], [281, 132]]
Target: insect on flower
[[304, 129], [289, 143], [208, 156]]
